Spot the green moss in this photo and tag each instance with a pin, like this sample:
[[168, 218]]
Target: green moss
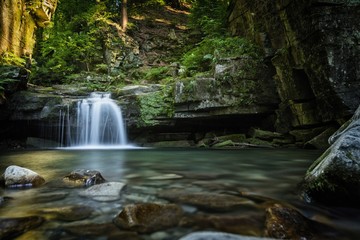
[[156, 105]]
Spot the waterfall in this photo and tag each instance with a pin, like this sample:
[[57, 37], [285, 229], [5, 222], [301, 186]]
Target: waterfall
[[98, 123]]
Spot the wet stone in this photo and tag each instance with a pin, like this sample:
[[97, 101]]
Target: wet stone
[[148, 217], [218, 236], [19, 177], [166, 177], [104, 192], [12, 227], [251, 225], [82, 177], [207, 201], [105, 229], [50, 197], [68, 213], [286, 223]]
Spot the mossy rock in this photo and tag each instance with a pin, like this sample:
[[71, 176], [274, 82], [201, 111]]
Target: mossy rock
[[260, 143], [233, 137], [334, 178], [264, 135], [170, 144], [227, 143]]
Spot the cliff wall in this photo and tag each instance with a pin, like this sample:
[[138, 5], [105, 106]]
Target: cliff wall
[[314, 47]]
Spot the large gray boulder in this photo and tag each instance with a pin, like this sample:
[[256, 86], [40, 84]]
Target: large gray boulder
[[18, 177], [334, 178]]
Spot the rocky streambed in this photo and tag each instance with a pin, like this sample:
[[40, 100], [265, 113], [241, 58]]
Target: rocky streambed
[[167, 194]]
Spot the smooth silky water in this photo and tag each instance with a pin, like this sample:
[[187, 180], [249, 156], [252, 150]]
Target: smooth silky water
[[269, 173]]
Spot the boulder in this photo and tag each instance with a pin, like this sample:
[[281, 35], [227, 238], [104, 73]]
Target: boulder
[[148, 217], [104, 192], [82, 177], [321, 140], [334, 178], [12, 227], [18, 177]]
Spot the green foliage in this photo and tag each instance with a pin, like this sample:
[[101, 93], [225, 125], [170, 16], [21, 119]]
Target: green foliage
[[207, 52], [9, 58], [209, 16], [156, 74], [155, 105], [74, 44]]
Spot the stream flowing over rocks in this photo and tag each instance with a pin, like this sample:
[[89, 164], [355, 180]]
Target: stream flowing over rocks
[[228, 213]]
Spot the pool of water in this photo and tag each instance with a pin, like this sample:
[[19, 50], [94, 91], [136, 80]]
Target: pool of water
[[268, 173]]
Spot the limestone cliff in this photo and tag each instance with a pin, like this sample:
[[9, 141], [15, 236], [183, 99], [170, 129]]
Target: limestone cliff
[[314, 47]]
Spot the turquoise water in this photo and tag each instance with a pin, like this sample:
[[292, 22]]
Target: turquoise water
[[266, 173]]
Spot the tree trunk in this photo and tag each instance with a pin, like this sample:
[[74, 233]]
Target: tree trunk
[[124, 16]]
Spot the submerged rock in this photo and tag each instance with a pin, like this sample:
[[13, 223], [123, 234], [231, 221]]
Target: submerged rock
[[68, 213], [12, 227], [104, 192], [148, 217], [286, 223], [49, 197], [89, 231], [218, 236], [82, 177], [334, 178], [18, 177], [4, 200], [208, 201], [241, 224]]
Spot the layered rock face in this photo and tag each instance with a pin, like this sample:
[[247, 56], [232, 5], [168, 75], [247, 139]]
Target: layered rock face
[[314, 47]]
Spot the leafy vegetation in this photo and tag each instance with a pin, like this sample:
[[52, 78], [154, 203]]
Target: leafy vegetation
[[8, 58], [74, 43], [83, 31], [209, 16], [156, 74], [206, 53]]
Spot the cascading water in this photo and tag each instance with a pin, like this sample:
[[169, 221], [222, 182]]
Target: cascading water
[[98, 123]]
